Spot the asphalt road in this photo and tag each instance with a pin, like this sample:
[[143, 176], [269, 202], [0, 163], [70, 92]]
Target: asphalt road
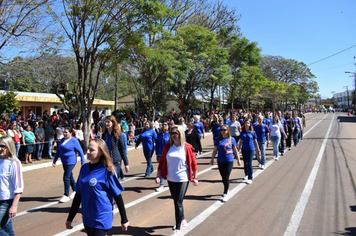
[[309, 191]]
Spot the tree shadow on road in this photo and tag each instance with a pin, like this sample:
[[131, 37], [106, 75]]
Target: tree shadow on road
[[347, 119], [135, 230], [348, 231]]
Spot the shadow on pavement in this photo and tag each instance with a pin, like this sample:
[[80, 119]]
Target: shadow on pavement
[[134, 230], [347, 119]]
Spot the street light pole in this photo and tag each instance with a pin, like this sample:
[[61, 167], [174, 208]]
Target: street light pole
[[349, 72]]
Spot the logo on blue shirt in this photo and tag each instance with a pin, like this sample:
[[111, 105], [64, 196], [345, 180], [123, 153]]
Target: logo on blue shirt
[[92, 182]]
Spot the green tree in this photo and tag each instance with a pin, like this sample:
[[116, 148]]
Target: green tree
[[8, 102], [202, 60]]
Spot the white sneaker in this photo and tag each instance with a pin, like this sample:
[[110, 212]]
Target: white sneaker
[[64, 199], [224, 198], [263, 167], [183, 224], [160, 188], [72, 195], [176, 232], [246, 177], [259, 165], [276, 158], [249, 181]]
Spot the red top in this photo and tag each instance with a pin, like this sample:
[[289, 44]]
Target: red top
[[190, 157]]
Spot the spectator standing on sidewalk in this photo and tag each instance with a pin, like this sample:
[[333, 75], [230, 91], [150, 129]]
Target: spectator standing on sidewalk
[[15, 134], [49, 135], [40, 139], [28, 140]]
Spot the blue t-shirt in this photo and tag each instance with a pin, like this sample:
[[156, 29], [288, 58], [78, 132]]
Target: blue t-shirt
[[254, 124], [125, 141], [225, 153], [68, 152], [261, 132], [266, 121], [97, 188], [162, 139], [148, 136], [296, 122], [198, 126], [247, 140], [216, 132], [283, 123], [227, 122]]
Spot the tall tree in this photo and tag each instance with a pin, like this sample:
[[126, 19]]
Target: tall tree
[[21, 22], [98, 31]]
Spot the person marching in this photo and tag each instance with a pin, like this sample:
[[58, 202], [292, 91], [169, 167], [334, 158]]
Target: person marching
[[162, 140], [97, 184], [179, 166], [12, 185], [247, 144], [262, 133], [225, 146], [276, 130], [67, 150]]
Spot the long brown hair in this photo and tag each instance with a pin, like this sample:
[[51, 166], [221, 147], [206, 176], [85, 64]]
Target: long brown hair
[[105, 158], [115, 128], [228, 133], [251, 126]]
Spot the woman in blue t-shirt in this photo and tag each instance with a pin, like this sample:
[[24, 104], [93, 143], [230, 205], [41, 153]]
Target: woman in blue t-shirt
[[247, 143], [148, 136], [162, 139], [97, 184], [225, 146]]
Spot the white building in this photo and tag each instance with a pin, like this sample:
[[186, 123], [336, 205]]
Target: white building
[[340, 99]]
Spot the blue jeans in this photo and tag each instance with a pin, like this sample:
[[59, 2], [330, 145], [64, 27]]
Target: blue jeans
[[119, 172], [248, 156], [161, 180], [296, 136], [50, 145], [275, 143], [262, 146], [68, 179], [148, 155], [17, 146], [281, 146], [40, 150], [6, 222]]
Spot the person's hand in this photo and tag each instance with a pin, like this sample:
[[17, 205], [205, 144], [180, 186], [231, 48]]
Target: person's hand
[[127, 168], [212, 162], [238, 162], [69, 225], [125, 226], [12, 211], [53, 164], [157, 180], [195, 182]]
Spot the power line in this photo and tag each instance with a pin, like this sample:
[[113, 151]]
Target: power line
[[331, 55]]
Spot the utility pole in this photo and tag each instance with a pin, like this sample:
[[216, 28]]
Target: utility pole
[[348, 99], [333, 98]]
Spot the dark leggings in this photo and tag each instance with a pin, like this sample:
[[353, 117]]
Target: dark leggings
[[95, 232], [178, 190], [225, 169]]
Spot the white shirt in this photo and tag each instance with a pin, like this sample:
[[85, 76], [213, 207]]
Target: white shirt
[[275, 129], [11, 179], [60, 136], [79, 134], [177, 168]]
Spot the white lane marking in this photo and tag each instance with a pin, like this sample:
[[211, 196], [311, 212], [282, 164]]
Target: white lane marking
[[304, 198], [206, 213]]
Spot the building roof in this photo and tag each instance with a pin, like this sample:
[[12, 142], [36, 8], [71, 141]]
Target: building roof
[[50, 98]]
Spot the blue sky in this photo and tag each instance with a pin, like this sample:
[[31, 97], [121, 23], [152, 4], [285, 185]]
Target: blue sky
[[307, 31]]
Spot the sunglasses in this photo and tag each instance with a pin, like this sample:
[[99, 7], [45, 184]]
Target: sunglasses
[[222, 130], [3, 146], [173, 133]]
